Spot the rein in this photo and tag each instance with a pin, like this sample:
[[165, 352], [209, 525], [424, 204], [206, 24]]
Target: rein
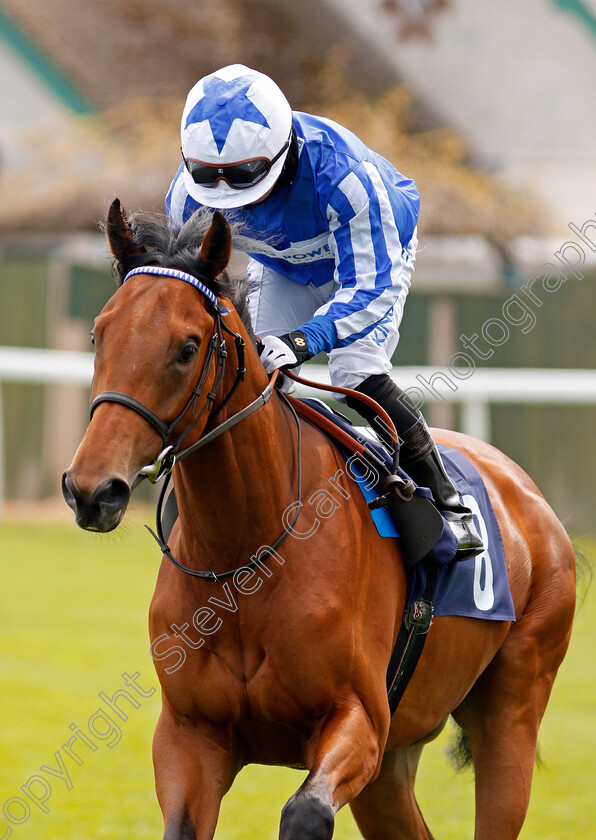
[[363, 398], [262, 554], [172, 454]]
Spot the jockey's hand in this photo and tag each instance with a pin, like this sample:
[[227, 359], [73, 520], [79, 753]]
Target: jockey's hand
[[284, 351]]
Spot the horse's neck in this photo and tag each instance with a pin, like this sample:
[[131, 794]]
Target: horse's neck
[[233, 492]]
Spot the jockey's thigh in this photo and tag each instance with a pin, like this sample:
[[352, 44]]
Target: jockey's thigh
[[278, 305], [351, 365]]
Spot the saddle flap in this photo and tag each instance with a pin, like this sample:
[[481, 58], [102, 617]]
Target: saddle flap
[[420, 527]]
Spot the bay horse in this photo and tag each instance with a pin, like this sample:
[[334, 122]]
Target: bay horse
[[289, 668]]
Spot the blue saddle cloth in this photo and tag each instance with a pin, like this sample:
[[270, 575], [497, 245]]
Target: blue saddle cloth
[[477, 587]]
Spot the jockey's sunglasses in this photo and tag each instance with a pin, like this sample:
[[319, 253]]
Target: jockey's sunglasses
[[239, 176]]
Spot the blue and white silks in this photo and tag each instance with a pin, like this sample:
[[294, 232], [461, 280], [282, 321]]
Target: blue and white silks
[[348, 215]]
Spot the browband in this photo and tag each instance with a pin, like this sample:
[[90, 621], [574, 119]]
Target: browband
[[180, 275]]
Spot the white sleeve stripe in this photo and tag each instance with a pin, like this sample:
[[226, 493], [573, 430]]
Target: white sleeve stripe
[[363, 251], [359, 321], [355, 191], [390, 231], [395, 295], [360, 237], [377, 308], [364, 256]]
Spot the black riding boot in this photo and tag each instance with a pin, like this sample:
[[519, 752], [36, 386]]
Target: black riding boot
[[419, 456], [422, 461]]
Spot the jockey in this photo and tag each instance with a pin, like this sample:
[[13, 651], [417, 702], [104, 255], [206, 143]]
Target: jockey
[[330, 230]]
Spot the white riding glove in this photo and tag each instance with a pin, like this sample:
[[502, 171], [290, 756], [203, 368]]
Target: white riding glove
[[284, 351]]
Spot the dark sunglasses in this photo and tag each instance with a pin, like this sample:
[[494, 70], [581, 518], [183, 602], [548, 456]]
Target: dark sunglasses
[[239, 176]]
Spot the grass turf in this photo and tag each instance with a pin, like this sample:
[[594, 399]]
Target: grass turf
[[73, 609]]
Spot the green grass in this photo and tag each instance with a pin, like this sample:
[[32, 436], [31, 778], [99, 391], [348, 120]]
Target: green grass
[[73, 610]]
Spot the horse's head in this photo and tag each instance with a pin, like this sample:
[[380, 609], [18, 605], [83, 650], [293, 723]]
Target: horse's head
[[153, 343]]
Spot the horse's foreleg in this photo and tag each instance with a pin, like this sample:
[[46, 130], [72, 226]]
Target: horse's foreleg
[[387, 808], [343, 758], [193, 770]]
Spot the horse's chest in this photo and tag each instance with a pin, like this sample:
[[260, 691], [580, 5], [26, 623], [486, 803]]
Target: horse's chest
[[260, 664]]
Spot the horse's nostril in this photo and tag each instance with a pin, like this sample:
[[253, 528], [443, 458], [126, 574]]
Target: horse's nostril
[[96, 510], [112, 496], [69, 491]]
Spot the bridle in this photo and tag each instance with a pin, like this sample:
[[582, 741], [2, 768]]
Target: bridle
[[173, 453]]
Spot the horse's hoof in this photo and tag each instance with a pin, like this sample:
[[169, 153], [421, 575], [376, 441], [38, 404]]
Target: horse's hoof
[[305, 817]]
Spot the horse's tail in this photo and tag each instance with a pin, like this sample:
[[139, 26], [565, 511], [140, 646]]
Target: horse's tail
[[459, 752], [584, 570], [458, 749]]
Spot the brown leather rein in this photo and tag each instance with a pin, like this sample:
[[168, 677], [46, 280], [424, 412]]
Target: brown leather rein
[[330, 427]]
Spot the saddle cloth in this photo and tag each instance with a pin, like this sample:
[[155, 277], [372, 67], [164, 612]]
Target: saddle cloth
[[477, 587]]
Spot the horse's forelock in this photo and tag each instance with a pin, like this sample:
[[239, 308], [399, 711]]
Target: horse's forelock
[[178, 247]]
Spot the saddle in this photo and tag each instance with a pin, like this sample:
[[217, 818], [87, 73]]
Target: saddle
[[421, 528], [422, 531]]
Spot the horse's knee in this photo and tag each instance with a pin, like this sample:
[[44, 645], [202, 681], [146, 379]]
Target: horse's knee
[[305, 817]]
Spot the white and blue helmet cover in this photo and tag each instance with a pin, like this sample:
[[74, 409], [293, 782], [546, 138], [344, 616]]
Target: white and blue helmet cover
[[231, 116]]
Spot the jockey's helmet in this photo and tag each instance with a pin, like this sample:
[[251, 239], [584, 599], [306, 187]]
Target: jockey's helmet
[[235, 135]]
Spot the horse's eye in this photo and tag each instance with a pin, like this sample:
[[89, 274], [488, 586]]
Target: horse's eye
[[92, 337], [187, 353]]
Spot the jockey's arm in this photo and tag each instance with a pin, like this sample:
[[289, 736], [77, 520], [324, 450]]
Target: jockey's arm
[[367, 246]]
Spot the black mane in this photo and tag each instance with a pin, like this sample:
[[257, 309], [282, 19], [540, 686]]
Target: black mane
[[173, 247]]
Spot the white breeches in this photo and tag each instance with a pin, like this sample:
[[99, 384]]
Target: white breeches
[[278, 305]]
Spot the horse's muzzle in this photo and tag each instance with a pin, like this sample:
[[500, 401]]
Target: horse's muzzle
[[99, 510]]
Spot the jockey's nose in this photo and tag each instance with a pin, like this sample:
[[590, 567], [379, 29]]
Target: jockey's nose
[[100, 509]]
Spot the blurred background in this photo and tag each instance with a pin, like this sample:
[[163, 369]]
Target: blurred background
[[489, 106]]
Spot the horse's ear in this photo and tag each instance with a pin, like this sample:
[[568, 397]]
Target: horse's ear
[[216, 247], [120, 235]]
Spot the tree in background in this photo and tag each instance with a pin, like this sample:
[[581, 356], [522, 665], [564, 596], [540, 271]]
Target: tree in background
[[132, 150]]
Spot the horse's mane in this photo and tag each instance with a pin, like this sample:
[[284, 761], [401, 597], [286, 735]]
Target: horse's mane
[[178, 247]]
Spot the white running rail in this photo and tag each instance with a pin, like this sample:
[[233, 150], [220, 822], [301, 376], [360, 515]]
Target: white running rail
[[475, 393]]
